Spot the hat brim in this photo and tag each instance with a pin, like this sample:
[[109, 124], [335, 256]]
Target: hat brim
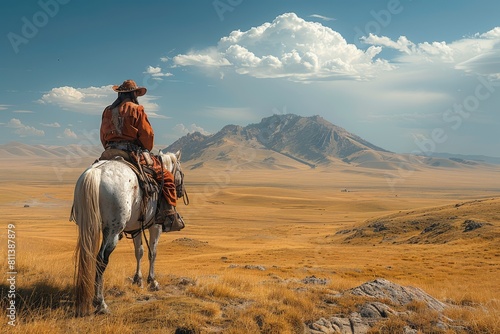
[[140, 90]]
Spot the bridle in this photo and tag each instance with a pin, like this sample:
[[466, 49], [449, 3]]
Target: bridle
[[179, 182]]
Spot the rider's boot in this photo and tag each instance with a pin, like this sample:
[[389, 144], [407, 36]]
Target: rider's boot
[[169, 218]]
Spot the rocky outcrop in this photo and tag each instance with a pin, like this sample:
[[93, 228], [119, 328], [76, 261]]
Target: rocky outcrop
[[384, 300], [398, 295]]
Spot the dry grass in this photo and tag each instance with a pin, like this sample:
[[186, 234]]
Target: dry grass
[[240, 222]]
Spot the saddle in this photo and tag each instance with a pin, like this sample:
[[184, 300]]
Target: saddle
[[144, 173]]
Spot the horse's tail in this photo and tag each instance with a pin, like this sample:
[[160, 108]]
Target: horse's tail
[[87, 215]]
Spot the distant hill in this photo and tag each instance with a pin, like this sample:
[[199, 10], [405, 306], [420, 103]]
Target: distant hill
[[474, 158], [16, 149], [276, 142], [292, 141], [476, 219]]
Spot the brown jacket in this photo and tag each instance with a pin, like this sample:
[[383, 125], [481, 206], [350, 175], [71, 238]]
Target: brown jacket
[[127, 122]]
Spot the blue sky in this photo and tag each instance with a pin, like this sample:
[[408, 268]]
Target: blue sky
[[406, 75]]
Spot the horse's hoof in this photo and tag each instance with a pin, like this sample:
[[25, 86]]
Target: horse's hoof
[[102, 310], [154, 286], [138, 282]]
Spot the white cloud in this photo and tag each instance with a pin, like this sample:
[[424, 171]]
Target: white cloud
[[23, 111], [153, 70], [156, 115], [24, 130], [156, 72], [184, 130], [149, 106], [289, 47], [90, 100], [51, 125], [493, 33], [425, 51], [402, 44], [479, 54], [210, 58], [485, 63], [14, 123], [325, 18], [69, 134]]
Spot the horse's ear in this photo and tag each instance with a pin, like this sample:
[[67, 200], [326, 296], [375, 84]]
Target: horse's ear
[[178, 155]]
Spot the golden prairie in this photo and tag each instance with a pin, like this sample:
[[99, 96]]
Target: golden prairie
[[252, 237]]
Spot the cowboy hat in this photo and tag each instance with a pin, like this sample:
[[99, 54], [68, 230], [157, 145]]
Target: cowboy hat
[[130, 86]]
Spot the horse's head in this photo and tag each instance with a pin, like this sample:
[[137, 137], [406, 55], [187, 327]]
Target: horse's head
[[172, 163]]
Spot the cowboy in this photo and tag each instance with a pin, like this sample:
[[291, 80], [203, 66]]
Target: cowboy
[[125, 126]]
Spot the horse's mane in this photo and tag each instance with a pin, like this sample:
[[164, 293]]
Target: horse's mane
[[169, 160]]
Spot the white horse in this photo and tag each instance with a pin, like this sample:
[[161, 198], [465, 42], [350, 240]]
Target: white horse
[[108, 200]]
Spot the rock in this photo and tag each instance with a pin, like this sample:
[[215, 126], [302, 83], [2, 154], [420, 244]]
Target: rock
[[184, 330], [378, 227], [314, 280], [430, 228], [409, 330], [358, 324], [375, 310], [397, 294], [255, 267], [321, 326], [371, 312], [470, 225], [354, 324], [331, 326]]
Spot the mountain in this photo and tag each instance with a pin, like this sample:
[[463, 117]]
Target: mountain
[[311, 138], [276, 142], [473, 158], [16, 149], [292, 141]]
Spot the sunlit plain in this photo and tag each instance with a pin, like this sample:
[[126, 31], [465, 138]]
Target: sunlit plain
[[252, 235]]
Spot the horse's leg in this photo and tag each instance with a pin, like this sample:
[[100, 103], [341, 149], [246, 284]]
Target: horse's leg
[[139, 252], [109, 243], [154, 236]]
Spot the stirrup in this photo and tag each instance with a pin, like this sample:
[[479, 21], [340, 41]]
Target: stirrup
[[173, 222]]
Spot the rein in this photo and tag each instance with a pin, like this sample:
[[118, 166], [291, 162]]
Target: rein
[[185, 198], [180, 189]]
